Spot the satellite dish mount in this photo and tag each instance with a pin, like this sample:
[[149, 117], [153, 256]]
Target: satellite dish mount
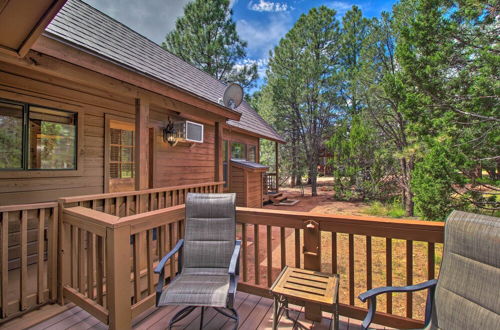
[[233, 96]]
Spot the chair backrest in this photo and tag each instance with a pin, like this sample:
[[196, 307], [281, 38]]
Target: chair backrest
[[210, 231], [468, 290]]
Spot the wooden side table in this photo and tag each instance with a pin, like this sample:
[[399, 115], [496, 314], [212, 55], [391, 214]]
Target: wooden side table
[[309, 286]]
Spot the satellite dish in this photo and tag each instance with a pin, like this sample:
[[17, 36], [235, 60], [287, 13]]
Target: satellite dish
[[233, 96]]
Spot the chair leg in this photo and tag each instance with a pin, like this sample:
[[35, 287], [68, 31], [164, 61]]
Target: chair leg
[[201, 318], [233, 316], [180, 315]]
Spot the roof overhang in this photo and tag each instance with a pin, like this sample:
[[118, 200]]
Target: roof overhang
[[62, 50], [23, 21], [251, 133]]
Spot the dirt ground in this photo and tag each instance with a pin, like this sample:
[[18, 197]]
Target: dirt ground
[[324, 203]]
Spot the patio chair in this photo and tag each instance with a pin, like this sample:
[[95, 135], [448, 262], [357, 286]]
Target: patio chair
[[208, 260], [467, 292]]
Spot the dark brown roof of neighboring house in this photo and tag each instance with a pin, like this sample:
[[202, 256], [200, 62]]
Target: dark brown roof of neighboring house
[[82, 25]]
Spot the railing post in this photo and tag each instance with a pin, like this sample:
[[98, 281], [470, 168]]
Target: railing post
[[118, 277], [312, 261]]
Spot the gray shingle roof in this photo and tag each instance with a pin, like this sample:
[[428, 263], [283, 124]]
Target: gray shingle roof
[[86, 27]]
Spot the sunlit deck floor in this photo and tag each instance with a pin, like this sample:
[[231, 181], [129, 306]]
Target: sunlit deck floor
[[255, 313]]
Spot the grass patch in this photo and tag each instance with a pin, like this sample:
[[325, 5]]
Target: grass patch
[[392, 210]]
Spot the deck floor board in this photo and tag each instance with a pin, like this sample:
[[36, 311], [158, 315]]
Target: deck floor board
[[255, 313]]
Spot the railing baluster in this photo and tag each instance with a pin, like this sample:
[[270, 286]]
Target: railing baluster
[[244, 251], [74, 254], [107, 206], [137, 267], [4, 264], [368, 262], [431, 261], [90, 265], [52, 252], [171, 246], [24, 260], [388, 271], [282, 247], [99, 269], [150, 261], [409, 277], [81, 260], [269, 257], [117, 206], [297, 247], [334, 252], [256, 253], [127, 205], [41, 255], [351, 269]]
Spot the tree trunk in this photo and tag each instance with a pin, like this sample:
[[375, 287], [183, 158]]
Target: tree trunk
[[407, 169]]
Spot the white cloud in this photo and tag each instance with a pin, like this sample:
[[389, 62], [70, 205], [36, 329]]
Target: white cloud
[[262, 36], [341, 7], [268, 6], [153, 20], [262, 64]]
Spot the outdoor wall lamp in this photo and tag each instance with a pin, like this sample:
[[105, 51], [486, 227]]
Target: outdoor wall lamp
[[169, 134]]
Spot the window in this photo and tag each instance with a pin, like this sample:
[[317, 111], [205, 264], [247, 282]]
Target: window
[[252, 153], [37, 138], [238, 150], [121, 155]]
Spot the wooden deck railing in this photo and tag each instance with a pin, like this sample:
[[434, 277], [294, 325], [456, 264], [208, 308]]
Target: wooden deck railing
[[28, 257], [140, 201], [271, 182], [122, 251]]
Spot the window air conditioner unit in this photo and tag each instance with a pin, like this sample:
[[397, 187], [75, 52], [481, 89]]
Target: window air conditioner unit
[[189, 131]]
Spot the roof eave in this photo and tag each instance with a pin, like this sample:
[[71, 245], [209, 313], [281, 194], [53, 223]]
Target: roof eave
[[43, 45]]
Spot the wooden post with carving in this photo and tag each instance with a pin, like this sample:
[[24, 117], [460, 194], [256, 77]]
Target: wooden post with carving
[[312, 261]]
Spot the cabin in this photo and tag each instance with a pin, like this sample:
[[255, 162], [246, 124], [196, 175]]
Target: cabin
[[85, 112], [102, 135]]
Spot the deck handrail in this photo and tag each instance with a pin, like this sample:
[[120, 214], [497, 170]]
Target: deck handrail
[[84, 198], [132, 266]]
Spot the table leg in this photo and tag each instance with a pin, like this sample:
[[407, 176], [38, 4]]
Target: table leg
[[275, 313]]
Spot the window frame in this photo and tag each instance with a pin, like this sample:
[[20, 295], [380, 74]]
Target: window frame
[[107, 143], [25, 171]]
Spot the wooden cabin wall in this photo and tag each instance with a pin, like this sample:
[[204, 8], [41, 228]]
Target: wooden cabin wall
[[238, 185], [24, 85], [185, 163]]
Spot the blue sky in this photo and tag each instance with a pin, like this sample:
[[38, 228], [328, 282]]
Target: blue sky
[[262, 23]]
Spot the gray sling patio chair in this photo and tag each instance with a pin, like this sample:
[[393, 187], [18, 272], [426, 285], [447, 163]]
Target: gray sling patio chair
[[208, 260], [467, 292]]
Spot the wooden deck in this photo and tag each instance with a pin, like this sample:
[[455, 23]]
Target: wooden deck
[[255, 313]]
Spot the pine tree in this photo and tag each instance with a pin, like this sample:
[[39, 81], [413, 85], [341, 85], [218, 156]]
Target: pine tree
[[303, 79], [206, 37]]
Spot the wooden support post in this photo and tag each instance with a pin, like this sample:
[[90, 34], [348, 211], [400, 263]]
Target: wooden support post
[[118, 277], [141, 144], [277, 163], [312, 261], [219, 153]]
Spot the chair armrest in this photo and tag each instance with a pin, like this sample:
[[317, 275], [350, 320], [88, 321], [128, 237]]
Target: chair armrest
[[169, 255], [411, 288], [233, 265], [373, 293], [160, 269]]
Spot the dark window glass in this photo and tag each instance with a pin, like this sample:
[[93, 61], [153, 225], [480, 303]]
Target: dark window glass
[[52, 139], [11, 136], [238, 151]]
